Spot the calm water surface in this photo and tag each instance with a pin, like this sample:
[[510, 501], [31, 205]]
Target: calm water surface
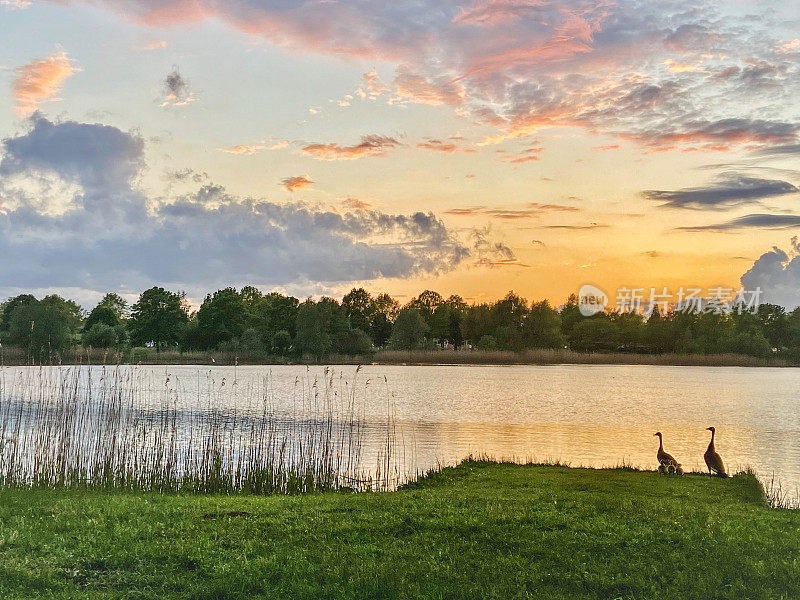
[[591, 415]]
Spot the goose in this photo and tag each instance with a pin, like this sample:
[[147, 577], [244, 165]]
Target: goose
[[713, 460], [666, 460]]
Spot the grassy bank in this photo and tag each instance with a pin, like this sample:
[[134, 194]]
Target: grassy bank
[[481, 530], [149, 356]]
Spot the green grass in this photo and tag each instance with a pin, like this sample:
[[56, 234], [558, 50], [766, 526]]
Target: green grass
[[481, 530]]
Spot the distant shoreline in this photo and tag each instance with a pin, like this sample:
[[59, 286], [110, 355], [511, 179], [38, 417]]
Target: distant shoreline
[[148, 356]]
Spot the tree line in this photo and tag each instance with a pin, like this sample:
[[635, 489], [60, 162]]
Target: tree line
[[265, 325]]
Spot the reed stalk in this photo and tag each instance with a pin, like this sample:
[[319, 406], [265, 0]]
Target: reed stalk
[[122, 428]]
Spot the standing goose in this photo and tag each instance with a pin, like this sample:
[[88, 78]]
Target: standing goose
[[667, 461], [713, 460]]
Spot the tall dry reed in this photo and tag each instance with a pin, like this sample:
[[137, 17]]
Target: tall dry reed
[[121, 428]]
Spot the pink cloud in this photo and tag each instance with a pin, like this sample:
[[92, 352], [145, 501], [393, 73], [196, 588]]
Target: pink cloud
[[243, 149], [520, 66], [422, 90], [494, 12], [39, 81], [371, 145]]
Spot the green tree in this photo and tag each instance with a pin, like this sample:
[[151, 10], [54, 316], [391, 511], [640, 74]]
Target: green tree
[[275, 312], [222, 317], [439, 323], [253, 300], [387, 305], [570, 315], [792, 351], [631, 331], [657, 334], [359, 306], [117, 303], [427, 303], [101, 335], [281, 342], [409, 330], [542, 327], [102, 313], [9, 306], [380, 329], [774, 325], [454, 335], [508, 316], [479, 320], [159, 317], [319, 326], [105, 325], [709, 332], [354, 342], [487, 343], [69, 308], [44, 329], [593, 334]]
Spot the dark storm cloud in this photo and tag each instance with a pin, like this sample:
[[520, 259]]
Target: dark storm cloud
[[786, 150], [752, 221], [733, 189]]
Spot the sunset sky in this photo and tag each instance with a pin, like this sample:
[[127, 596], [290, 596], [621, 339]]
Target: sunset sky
[[470, 147]]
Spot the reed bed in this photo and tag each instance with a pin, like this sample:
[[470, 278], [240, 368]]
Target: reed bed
[[118, 428], [565, 356], [149, 356]]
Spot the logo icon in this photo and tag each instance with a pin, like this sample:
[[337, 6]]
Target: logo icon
[[591, 300]]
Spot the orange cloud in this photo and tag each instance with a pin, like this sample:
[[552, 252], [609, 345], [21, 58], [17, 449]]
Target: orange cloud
[[676, 67], [605, 148], [243, 149], [300, 182], [39, 81], [373, 84], [154, 45], [356, 203], [371, 145], [448, 147], [464, 212], [522, 157], [554, 207], [434, 92]]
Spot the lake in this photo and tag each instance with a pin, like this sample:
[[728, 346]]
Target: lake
[[585, 415]]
